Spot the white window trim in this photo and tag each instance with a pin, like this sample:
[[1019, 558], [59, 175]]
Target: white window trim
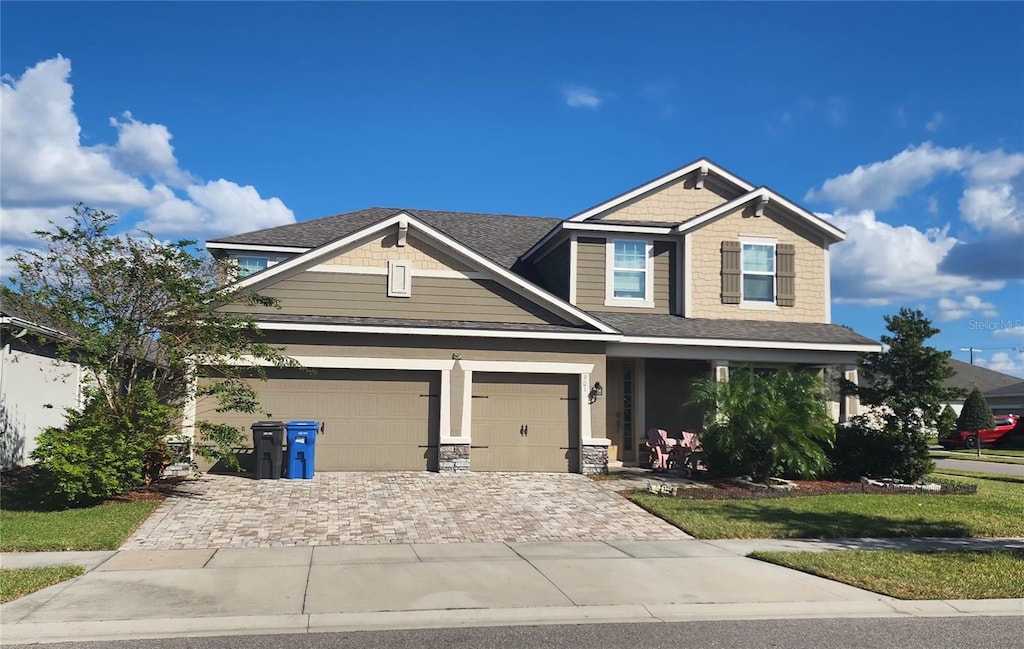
[[609, 275], [237, 259], [394, 291], [759, 305]]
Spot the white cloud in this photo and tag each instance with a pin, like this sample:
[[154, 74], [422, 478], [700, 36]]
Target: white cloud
[[1011, 363], [877, 186], [581, 97], [879, 264], [47, 169], [1010, 332], [951, 309], [935, 122]]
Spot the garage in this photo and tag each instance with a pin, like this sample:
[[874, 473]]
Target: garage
[[525, 422], [373, 420]]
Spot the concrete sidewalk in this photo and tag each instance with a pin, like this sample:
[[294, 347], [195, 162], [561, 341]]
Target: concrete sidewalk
[[142, 594]]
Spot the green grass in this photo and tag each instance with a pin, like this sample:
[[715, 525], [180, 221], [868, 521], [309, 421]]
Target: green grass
[[998, 477], [994, 511], [964, 574], [1003, 457], [15, 583], [102, 527]]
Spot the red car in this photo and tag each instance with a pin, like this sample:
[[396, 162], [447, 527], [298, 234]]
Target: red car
[[969, 438]]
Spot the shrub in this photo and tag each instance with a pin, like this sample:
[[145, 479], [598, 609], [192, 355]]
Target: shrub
[[99, 454], [865, 450], [766, 425], [946, 422], [976, 415]]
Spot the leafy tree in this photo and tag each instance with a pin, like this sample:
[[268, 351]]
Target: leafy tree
[[904, 384], [946, 421], [765, 425], [138, 313], [976, 415]]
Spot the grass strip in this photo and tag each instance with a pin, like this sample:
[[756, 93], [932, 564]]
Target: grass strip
[[102, 527], [18, 582], [974, 457], [960, 574], [993, 511]]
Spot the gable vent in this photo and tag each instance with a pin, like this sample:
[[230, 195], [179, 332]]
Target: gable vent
[[399, 279]]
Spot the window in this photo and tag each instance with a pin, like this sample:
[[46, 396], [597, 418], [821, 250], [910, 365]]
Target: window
[[758, 272], [249, 265], [629, 273]]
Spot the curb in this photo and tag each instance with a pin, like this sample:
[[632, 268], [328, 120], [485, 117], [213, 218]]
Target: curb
[[111, 630]]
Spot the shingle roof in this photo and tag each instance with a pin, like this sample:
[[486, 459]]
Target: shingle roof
[[671, 326], [1010, 390], [417, 324], [503, 238], [968, 376]]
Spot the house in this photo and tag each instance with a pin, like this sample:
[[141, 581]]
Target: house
[[36, 388], [966, 377], [1007, 399], [450, 341]]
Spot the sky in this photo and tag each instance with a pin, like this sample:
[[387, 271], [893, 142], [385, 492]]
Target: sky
[[903, 123]]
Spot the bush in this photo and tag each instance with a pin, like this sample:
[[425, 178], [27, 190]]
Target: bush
[[976, 415], [864, 450], [100, 454], [946, 422]]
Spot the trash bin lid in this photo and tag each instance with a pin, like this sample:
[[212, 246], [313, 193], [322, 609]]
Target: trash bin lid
[[303, 424], [262, 425]]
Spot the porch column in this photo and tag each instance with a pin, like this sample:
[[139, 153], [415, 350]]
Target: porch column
[[849, 405]]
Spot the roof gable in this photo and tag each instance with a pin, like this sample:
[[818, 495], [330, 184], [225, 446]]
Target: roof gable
[[435, 239]]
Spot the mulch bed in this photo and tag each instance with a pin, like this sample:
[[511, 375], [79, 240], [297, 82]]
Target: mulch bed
[[26, 476], [725, 490]]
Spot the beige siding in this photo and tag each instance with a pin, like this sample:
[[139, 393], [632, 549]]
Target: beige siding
[[377, 252], [552, 271], [433, 298], [673, 203], [590, 277], [809, 260]]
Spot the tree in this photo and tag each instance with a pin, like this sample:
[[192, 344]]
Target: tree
[[947, 421], [138, 313], [904, 383], [765, 425], [976, 415]]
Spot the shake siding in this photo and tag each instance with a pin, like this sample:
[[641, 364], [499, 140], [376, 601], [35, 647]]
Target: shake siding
[[674, 203], [433, 298], [706, 246], [553, 271], [590, 277], [376, 253]]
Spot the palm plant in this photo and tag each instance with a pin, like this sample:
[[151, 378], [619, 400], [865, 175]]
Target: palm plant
[[766, 425]]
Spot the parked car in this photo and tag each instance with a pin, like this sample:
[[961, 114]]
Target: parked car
[[1005, 424]]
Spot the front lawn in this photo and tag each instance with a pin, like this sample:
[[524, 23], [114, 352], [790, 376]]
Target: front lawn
[[102, 527], [994, 511], [915, 575], [1003, 456], [15, 583]]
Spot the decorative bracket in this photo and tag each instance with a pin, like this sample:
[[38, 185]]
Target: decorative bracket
[[701, 175], [761, 204], [403, 231]]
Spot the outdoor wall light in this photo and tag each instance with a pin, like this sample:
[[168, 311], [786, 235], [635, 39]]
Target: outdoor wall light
[[595, 392]]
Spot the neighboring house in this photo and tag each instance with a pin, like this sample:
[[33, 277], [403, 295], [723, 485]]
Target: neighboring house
[[36, 388], [1007, 400], [451, 341], [967, 377]]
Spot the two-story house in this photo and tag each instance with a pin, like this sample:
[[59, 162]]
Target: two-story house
[[451, 341]]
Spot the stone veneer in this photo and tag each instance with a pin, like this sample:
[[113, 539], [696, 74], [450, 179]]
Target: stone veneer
[[453, 458], [595, 459]]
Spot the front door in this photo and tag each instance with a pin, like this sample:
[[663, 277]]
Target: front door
[[621, 380]]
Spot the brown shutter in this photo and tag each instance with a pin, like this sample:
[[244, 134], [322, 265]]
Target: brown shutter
[[731, 273], [785, 274]]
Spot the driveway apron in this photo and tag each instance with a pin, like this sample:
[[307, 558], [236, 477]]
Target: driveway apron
[[216, 511]]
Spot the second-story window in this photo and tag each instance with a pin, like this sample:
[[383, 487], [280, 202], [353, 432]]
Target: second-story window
[[758, 272], [629, 270], [249, 265]]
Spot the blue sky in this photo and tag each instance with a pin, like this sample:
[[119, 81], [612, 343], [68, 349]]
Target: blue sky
[[904, 123]]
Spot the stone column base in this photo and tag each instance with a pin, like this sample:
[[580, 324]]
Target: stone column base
[[595, 460], [453, 458]]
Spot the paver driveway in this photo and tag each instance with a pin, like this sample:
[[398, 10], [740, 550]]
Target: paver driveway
[[371, 508]]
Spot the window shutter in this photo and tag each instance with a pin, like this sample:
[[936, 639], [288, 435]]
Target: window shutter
[[785, 274], [399, 279], [731, 274]]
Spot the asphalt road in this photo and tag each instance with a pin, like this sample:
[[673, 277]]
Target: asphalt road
[[847, 633], [981, 467]]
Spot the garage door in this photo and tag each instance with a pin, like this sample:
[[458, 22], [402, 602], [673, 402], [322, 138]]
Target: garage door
[[525, 422], [373, 419]]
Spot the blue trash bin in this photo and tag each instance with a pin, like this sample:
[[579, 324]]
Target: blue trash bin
[[301, 449]]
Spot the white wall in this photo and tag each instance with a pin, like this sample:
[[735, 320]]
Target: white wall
[[35, 391]]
